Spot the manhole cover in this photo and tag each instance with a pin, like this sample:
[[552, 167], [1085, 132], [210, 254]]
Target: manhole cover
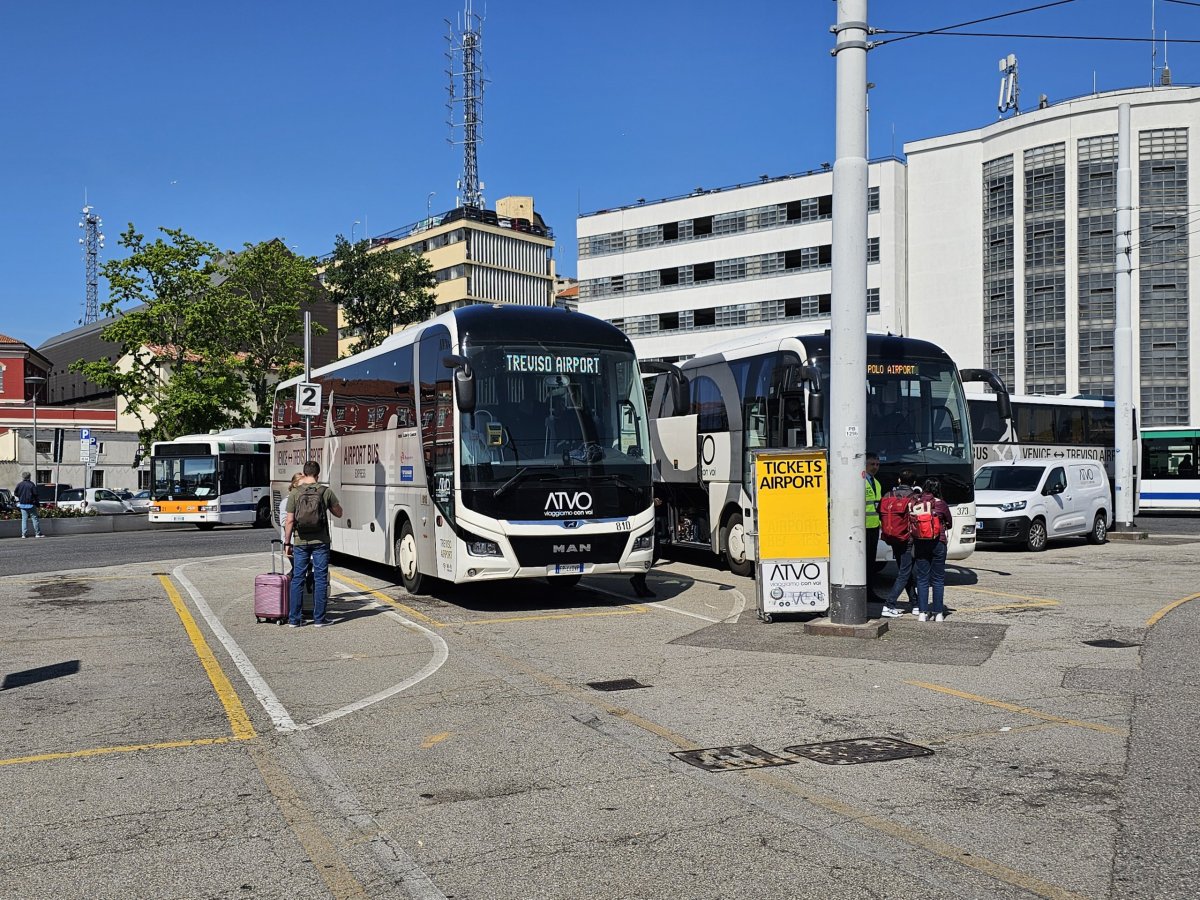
[[729, 759], [617, 684], [858, 750], [1110, 644]]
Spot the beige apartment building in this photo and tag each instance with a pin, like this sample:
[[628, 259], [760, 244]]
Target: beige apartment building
[[505, 255]]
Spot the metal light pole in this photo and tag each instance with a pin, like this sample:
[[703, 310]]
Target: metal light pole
[[1124, 382], [36, 381], [848, 326]]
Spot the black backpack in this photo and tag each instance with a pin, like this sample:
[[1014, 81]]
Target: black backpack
[[310, 511]]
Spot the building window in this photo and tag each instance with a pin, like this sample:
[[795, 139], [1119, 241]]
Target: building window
[[998, 268], [704, 318], [668, 321], [1045, 270], [704, 271], [702, 226], [668, 277]]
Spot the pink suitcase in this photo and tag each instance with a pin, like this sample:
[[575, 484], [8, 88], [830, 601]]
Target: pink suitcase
[[272, 591]]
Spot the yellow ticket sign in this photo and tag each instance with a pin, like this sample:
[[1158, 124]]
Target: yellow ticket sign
[[791, 493]]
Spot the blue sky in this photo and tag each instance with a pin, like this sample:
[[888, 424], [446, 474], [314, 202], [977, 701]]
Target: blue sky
[[245, 121]]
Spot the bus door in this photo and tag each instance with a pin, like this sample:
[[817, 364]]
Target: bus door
[[434, 525]]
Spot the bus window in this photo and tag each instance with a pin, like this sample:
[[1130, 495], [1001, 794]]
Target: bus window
[[708, 405], [1033, 423], [1102, 426], [986, 424], [1168, 458], [1070, 425]]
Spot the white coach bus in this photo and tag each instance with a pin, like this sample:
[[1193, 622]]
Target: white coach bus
[[492, 442], [768, 390]]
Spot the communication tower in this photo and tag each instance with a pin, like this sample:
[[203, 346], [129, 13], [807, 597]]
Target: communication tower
[[464, 52], [93, 243]]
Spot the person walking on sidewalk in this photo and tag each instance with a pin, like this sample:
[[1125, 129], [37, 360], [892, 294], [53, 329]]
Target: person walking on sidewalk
[[27, 501], [893, 513], [872, 490], [306, 541], [930, 522]]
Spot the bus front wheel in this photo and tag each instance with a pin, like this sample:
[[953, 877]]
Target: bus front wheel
[[406, 560], [736, 556], [262, 515]]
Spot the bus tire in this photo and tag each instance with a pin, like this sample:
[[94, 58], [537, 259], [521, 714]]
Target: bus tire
[[406, 560], [262, 515], [206, 526], [1099, 532], [733, 544], [1035, 540], [566, 582]]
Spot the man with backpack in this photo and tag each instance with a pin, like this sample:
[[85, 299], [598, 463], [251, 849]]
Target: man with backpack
[[929, 521], [893, 516], [306, 540]]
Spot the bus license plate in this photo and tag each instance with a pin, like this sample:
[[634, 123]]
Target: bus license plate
[[178, 519], [565, 569]]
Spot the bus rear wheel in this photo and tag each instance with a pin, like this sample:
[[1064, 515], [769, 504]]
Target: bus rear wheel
[[262, 515], [406, 560], [734, 542]]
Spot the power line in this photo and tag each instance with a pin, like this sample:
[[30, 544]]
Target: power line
[[945, 28], [1043, 37], [1184, 2]]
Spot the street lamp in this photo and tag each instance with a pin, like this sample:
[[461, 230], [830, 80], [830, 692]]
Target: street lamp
[[35, 381]]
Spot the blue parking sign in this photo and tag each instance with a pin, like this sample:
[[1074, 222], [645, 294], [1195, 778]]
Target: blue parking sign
[[85, 435]]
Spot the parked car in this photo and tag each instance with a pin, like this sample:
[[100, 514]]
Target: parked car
[[7, 500], [93, 500], [139, 501], [48, 494], [1025, 501]]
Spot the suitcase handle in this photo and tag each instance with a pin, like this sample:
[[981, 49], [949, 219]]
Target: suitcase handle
[[275, 541]]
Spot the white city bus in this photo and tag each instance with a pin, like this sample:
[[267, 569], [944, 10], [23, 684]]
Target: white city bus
[[492, 442], [1168, 475], [214, 479], [768, 390]]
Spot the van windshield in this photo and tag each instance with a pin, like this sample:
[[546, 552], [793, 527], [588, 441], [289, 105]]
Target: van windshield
[[1008, 478]]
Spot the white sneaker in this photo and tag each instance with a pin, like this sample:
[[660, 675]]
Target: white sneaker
[[939, 618], [915, 610], [921, 617], [890, 612]]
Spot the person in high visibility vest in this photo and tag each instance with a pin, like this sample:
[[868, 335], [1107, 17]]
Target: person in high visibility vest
[[873, 491]]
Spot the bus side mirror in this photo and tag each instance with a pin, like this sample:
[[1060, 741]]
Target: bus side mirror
[[464, 381], [811, 375], [677, 384], [996, 383]]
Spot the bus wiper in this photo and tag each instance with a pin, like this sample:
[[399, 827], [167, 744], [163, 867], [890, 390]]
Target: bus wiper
[[520, 476], [616, 478]]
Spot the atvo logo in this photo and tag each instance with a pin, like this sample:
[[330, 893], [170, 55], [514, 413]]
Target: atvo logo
[[564, 501]]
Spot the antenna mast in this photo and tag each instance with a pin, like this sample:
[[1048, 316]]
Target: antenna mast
[[464, 52], [93, 243]]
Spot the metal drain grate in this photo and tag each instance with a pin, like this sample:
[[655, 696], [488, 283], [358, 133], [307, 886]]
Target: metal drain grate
[[858, 750], [617, 684], [1110, 644], [731, 759]]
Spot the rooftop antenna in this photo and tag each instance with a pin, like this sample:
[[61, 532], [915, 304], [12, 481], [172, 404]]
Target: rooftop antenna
[[93, 243], [1010, 92], [1153, 45], [1165, 80], [464, 52]]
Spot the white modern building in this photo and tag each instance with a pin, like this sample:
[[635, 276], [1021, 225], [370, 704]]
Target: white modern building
[[1011, 247], [682, 273]]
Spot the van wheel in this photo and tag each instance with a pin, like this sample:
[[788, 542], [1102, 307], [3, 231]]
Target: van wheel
[[262, 515], [1099, 532], [735, 547], [1035, 541], [406, 560]]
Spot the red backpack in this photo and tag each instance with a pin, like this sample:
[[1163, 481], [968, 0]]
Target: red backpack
[[924, 523], [893, 520]]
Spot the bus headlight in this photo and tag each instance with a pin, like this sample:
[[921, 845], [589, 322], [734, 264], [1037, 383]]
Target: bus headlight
[[644, 541], [477, 546], [155, 509], [1012, 507]]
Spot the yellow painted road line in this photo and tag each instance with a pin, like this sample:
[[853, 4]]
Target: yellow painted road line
[[851, 814], [380, 595], [1153, 620], [105, 751], [434, 739], [1023, 710], [239, 721]]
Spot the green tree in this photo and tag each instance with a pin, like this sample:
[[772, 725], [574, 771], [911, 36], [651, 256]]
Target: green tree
[[268, 286], [177, 368], [378, 290]]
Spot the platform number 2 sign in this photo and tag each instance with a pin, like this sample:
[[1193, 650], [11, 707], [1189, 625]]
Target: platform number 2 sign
[[308, 399]]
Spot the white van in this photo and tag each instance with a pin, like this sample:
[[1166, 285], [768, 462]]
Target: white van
[[1029, 501]]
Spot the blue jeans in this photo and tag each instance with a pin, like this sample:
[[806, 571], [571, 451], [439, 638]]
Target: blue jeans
[[931, 567], [27, 513], [317, 556], [904, 560]]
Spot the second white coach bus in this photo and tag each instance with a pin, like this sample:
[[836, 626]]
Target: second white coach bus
[[1044, 428], [768, 390], [492, 442]]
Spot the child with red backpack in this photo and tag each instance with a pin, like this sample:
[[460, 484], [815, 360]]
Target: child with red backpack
[[893, 514], [929, 522]]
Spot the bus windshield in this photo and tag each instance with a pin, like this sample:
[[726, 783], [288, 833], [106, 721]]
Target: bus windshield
[[185, 478], [548, 415]]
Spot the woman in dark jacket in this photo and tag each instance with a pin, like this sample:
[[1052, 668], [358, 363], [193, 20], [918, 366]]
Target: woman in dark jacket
[[930, 554]]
